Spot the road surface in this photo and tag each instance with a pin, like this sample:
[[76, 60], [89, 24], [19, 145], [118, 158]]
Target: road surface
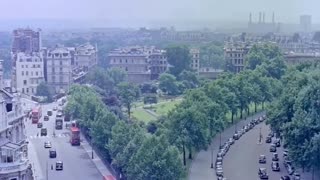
[[77, 164], [200, 167], [241, 162]]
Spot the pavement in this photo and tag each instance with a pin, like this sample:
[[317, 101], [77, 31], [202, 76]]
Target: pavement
[[77, 162], [200, 168]]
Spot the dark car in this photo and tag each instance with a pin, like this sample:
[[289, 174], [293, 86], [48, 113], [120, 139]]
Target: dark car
[[275, 157], [290, 169], [219, 172], [49, 112], [273, 148], [43, 131], [52, 153], [39, 125], [263, 173], [275, 166], [296, 176], [235, 136], [277, 142], [46, 118], [268, 139], [262, 159], [271, 134], [231, 141], [285, 178], [59, 166]]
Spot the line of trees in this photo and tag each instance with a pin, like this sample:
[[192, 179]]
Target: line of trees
[[295, 115], [159, 150]]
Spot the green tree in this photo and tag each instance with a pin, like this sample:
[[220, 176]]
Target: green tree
[[253, 60], [189, 78], [179, 58], [156, 159], [117, 75], [43, 90], [128, 93], [168, 84]]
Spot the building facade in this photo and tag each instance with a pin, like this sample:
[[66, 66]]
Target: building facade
[[86, 56], [59, 69], [28, 72], [305, 23], [195, 59], [235, 56], [26, 40]]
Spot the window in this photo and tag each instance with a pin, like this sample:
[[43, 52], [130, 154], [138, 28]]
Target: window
[[27, 90], [22, 73], [53, 79], [60, 63], [61, 69], [126, 68], [22, 90], [27, 74], [36, 73], [34, 66], [39, 66], [120, 60], [31, 73], [126, 60], [32, 90], [22, 66], [26, 66], [53, 69], [24, 82], [61, 78]]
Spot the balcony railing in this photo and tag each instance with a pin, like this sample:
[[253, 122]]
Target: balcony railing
[[17, 166]]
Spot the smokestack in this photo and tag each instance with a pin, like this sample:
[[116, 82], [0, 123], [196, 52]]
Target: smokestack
[[259, 17], [264, 17], [273, 20], [250, 18]]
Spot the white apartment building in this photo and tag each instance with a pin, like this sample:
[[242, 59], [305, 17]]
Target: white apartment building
[[59, 69], [85, 56], [28, 72], [195, 59]]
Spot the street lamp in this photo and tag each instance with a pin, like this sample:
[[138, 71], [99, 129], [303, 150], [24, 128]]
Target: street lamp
[[92, 157], [211, 155]]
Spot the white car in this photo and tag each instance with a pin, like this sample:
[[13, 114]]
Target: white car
[[47, 144]]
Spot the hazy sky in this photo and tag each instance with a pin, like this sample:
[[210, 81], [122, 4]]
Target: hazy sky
[[149, 10]]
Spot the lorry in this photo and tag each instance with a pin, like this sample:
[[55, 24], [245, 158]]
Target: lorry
[[36, 114], [59, 123]]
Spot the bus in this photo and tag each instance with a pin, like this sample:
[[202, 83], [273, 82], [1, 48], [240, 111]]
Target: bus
[[75, 134], [59, 123], [36, 114]]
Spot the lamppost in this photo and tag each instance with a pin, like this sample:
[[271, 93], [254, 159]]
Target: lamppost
[[92, 157], [220, 139], [211, 155], [47, 173], [260, 136]]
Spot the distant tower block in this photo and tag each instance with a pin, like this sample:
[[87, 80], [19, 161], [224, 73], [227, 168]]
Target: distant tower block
[[250, 18], [264, 18]]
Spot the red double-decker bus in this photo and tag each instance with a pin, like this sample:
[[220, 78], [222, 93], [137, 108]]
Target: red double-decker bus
[[75, 136], [36, 114]]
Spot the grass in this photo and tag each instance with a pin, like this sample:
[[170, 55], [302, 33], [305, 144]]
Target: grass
[[164, 108], [142, 115]]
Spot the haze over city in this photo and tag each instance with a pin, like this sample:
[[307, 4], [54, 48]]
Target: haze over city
[[126, 13]]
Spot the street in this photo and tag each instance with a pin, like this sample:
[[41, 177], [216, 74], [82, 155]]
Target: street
[[77, 164], [241, 162]]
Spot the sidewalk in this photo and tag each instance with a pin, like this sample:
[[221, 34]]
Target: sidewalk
[[96, 159], [200, 167], [35, 164]]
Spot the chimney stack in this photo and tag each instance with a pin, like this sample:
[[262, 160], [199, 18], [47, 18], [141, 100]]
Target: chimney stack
[[273, 18], [259, 17]]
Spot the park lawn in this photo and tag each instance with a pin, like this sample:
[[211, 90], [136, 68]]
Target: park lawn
[[142, 115], [164, 108]]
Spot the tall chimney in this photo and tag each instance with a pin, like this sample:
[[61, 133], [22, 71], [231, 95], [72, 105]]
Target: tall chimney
[[263, 17], [250, 18], [273, 18], [259, 17]]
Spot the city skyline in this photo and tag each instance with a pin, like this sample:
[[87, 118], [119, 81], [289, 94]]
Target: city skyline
[[99, 13]]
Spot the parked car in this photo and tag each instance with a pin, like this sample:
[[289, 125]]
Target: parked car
[[290, 169], [219, 172], [235, 136], [263, 173], [275, 157], [287, 162], [218, 165], [273, 148], [296, 176], [268, 139], [262, 159], [277, 142], [285, 178], [55, 108], [285, 153], [275, 166], [39, 125], [46, 118], [59, 166], [43, 131], [231, 141], [49, 112], [47, 144], [52, 153], [219, 159]]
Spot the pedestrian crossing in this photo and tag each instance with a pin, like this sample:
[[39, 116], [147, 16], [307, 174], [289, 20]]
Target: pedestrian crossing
[[49, 136]]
